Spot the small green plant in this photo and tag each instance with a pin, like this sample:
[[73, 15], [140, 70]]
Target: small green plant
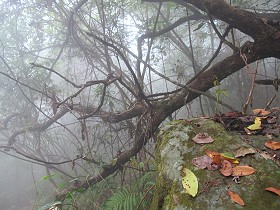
[[52, 205], [218, 92], [132, 196]]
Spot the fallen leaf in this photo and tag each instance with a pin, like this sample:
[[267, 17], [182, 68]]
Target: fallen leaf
[[202, 162], [226, 168], [271, 119], [256, 126], [190, 182], [213, 167], [271, 130], [274, 190], [242, 171], [248, 131], [274, 145], [266, 155], [203, 138], [235, 198], [214, 155], [242, 151], [261, 112], [245, 119], [230, 157]]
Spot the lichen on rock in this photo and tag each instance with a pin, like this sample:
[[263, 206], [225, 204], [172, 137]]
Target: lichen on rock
[[175, 150]]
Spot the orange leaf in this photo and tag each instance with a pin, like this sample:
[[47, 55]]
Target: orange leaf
[[274, 190], [242, 171], [261, 112], [235, 198], [214, 155], [274, 145], [226, 168], [211, 153]]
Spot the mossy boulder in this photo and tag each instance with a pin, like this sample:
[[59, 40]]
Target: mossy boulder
[[175, 150]]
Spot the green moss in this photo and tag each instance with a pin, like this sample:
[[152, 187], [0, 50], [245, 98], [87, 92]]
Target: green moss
[[175, 149]]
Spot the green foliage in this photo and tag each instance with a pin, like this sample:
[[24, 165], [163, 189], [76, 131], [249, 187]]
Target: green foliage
[[218, 92], [50, 205], [123, 199], [130, 197], [48, 177]]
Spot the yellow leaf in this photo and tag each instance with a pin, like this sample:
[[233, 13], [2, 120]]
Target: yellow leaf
[[229, 157], [189, 182], [256, 126]]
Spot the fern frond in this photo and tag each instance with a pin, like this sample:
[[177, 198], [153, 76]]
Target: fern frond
[[127, 198]]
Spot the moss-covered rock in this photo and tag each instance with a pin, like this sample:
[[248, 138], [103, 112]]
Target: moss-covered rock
[[175, 150]]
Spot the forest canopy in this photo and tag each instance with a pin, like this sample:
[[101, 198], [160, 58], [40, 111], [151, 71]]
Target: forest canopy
[[85, 85]]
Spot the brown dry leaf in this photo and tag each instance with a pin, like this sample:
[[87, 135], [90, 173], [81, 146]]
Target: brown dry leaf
[[226, 168], [266, 155], [54, 103], [233, 114], [268, 130], [274, 190], [202, 162], [213, 167], [216, 157], [274, 145], [261, 112], [235, 198], [203, 138], [242, 151], [271, 119], [242, 171], [246, 119]]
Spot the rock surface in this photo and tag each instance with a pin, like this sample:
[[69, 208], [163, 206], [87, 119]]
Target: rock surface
[[175, 150]]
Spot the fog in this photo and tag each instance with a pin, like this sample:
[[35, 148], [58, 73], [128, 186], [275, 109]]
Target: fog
[[21, 183], [82, 81]]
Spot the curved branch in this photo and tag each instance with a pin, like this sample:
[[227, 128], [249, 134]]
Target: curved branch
[[247, 22], [37, 128]]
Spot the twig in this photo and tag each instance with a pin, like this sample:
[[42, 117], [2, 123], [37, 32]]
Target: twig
[[270, 102], [146, 193], [243, 56], [140, 93], [40, 160], [218, 33]]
